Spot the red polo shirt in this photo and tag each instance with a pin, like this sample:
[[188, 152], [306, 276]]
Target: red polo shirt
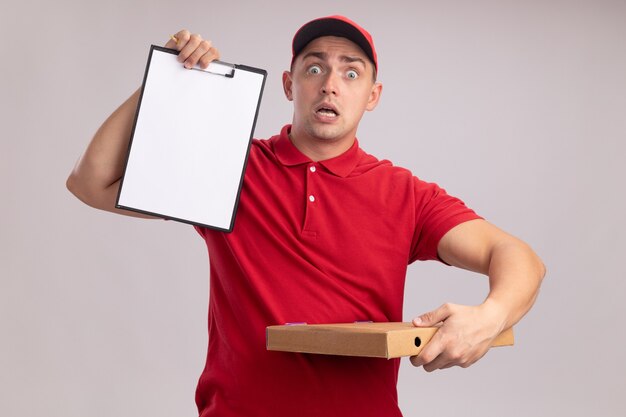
[[315, 242]]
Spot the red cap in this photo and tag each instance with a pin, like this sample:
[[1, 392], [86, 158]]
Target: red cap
[[334, 26]]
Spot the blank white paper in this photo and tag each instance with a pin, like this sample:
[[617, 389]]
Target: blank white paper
[[190, 142]]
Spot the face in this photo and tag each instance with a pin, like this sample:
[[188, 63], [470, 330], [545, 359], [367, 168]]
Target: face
[[331, 85]]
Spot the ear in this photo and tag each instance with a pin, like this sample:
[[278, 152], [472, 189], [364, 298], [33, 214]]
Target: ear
[[287, 85], [372, 101]]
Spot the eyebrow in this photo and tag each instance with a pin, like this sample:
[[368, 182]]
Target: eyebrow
[[344, 58]]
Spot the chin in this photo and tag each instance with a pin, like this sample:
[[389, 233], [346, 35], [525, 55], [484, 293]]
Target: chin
[[327, 133]]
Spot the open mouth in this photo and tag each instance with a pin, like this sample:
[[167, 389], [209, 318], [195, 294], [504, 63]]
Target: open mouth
[[327, 111]]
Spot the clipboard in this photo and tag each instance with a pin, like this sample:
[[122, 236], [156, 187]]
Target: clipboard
[[190, 140]]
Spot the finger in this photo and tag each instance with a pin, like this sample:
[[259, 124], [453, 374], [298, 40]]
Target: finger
[[187, 51], [203, 48], [454, 356], [171, 42], [211, 55], [445, 361], [433, 317], [441, 362], [431, 352], [416, 361], [473, 359], [448, 357], [178, 40]]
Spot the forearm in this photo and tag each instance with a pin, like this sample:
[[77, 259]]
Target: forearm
[[95, 178], [515, 274], [515, 271]]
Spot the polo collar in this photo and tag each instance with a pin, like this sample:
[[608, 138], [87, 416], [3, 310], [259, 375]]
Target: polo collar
[[288, 155]]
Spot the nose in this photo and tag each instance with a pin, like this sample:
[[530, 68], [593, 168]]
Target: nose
[[330, 85]]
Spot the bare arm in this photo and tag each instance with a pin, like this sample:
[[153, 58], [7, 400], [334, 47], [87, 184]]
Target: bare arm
[[515, 274], [95, 179]]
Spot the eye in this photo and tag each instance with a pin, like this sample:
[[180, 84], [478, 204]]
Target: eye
[[314, 69], [352, 74]]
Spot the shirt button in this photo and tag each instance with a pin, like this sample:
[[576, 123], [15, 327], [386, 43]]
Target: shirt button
[[311, 198], [312, 169]]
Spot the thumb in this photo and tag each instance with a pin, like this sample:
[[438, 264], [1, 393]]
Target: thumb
[[432, 317]]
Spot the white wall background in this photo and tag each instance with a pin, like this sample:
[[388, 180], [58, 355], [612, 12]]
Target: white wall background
[[518, 107]]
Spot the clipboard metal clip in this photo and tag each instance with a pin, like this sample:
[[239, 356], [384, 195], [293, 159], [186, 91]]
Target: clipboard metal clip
[[230, 74]]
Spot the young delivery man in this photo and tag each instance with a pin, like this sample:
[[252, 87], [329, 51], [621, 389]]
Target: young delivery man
[[323, 234]]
